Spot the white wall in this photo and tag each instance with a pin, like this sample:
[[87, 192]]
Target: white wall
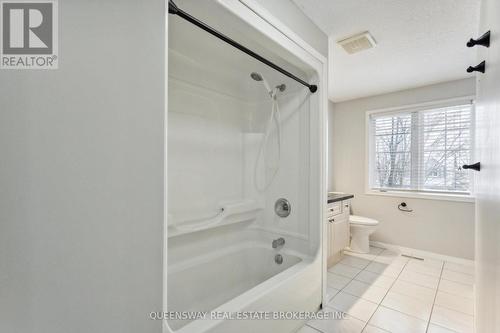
[[291, 15], [81, 176], [443, 227]]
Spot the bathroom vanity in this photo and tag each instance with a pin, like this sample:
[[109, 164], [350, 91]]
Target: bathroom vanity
[[337, 219]]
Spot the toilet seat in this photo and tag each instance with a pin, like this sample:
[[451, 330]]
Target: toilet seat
[[361, 220]]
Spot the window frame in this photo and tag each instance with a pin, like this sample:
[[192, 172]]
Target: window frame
[[411, 193]]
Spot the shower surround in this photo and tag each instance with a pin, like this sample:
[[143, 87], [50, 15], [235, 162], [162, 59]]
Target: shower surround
[[220, 226]]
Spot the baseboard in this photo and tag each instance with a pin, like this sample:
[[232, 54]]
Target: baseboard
[[422, 253]]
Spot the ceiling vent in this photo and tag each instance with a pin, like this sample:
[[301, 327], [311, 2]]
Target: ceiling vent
[[357, 43]]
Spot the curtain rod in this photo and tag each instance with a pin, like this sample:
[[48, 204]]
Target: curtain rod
[[174, 10]]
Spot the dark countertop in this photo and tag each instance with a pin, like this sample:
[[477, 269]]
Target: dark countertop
[[334, 197]]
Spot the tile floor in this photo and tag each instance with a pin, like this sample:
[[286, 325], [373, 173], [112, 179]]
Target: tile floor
[[385, 292]]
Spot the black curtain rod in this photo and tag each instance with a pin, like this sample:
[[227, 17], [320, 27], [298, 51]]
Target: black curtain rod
[[174, 10]]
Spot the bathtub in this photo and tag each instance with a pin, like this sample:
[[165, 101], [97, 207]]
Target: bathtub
[[242, 278]]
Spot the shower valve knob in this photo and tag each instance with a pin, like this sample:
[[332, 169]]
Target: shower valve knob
[[282, 207]]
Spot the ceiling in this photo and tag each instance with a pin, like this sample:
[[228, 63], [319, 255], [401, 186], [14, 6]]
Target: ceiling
[[419, 42]]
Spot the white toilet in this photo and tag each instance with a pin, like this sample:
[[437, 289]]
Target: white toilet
[[361, 228]]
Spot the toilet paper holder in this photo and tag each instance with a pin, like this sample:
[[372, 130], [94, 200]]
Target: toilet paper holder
[[404, 207]]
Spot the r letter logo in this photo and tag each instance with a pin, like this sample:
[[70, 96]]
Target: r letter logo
[[29, 34]]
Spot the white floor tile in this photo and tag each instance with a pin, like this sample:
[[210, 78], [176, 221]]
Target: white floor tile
[[467, 269], [398, 261], [451, 319], [419, 279], [353, 305], [455, 302], [397, 294], [375, 279], [408, 305], [307, 329], [413, 290], [355, 262], [457, 277], [373, 329], [391, 270], [347, 325], [438, 329], [394, 321], [370, 293], [431, 262], [330, 292], [455, 288], [420, 267], [344, 270], [337, 281], [389, 257]]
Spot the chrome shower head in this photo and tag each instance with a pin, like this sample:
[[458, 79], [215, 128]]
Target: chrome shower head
[[258, 77]]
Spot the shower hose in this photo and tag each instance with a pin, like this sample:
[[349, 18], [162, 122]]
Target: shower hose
[[274, 116]]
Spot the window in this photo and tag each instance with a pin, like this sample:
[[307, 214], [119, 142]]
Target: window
[[421, 149]]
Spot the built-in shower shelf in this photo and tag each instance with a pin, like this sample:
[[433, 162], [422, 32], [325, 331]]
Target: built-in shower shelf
[[229, 213]]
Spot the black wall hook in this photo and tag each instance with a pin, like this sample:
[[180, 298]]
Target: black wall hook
[[484, 40], [479, 68], [475, 166]]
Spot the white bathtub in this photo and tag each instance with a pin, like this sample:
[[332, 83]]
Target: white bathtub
[[243, 278]]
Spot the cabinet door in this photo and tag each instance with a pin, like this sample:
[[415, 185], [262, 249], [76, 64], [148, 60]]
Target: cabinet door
[[341, 234]]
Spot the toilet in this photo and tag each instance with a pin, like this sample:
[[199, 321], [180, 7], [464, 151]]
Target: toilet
[[361, 228]]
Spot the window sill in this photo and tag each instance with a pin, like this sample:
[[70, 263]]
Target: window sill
[[422, 195]]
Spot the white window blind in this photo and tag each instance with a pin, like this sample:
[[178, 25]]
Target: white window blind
[[422, 149]]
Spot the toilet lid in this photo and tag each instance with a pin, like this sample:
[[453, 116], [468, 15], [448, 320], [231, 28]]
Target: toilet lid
[[355, 219]]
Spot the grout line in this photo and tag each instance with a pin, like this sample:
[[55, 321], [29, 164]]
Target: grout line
[[435, 296], [314, 328], [379, 304], [454, 310]]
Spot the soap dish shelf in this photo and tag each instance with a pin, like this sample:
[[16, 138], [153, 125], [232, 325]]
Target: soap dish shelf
[[230, 213]]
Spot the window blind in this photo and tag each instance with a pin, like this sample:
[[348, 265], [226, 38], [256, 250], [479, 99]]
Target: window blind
[[422, 150]]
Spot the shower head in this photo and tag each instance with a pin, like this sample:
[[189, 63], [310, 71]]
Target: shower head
[[258, 77]]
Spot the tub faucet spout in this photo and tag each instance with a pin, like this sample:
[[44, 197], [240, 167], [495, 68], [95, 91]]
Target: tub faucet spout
[[278, 242]]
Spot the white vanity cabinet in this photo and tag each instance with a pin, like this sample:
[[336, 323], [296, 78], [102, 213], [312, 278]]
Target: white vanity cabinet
[[337, 229]]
